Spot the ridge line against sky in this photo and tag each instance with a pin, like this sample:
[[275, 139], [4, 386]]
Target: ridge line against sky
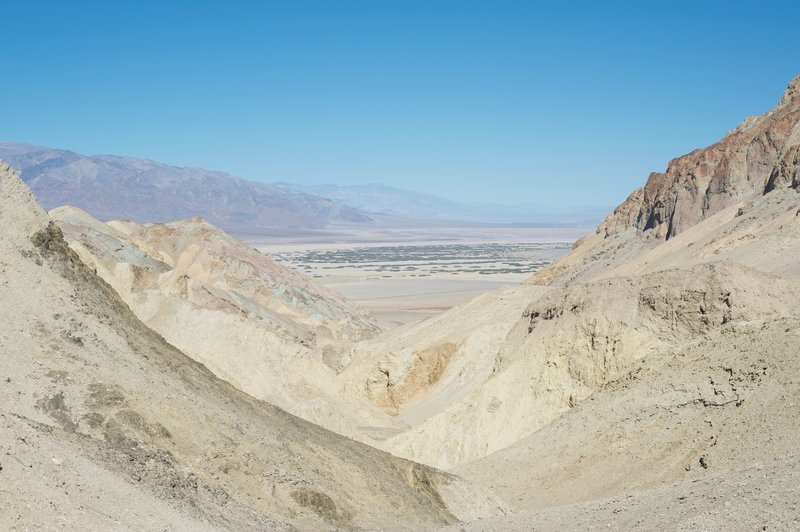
[[510, 102]]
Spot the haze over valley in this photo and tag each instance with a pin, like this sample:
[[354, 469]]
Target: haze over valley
[[113, 187]]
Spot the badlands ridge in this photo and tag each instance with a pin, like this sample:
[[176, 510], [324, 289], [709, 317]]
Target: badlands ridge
[[649, 379]]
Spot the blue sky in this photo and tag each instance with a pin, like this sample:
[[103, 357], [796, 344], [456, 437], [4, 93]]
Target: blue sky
[[560, 103]]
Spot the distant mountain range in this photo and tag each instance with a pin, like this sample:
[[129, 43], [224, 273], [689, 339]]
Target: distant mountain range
[[114, 187], [377, 199]]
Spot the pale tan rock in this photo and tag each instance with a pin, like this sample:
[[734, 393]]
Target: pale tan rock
[[256, 324], [573, 341], [104, 425], [723, 265], [702, 436], [419, 370]]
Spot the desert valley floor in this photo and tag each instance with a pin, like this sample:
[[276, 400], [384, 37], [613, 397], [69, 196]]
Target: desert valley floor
[[404, 276]]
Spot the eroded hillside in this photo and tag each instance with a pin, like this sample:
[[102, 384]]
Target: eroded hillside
[[103, 424], [570, 342], [713, 241], [703, 436], [645, 379], [266, 329]]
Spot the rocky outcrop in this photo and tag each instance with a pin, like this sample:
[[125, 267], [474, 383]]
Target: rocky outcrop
[[18, 208], [393, 393], [786, 171], [708, 180], [792, 93], [698, 192]]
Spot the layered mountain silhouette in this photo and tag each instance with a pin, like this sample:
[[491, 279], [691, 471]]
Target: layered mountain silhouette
[[111, 188]]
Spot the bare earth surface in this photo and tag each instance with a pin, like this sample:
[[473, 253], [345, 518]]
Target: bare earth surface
[[104, 425]]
